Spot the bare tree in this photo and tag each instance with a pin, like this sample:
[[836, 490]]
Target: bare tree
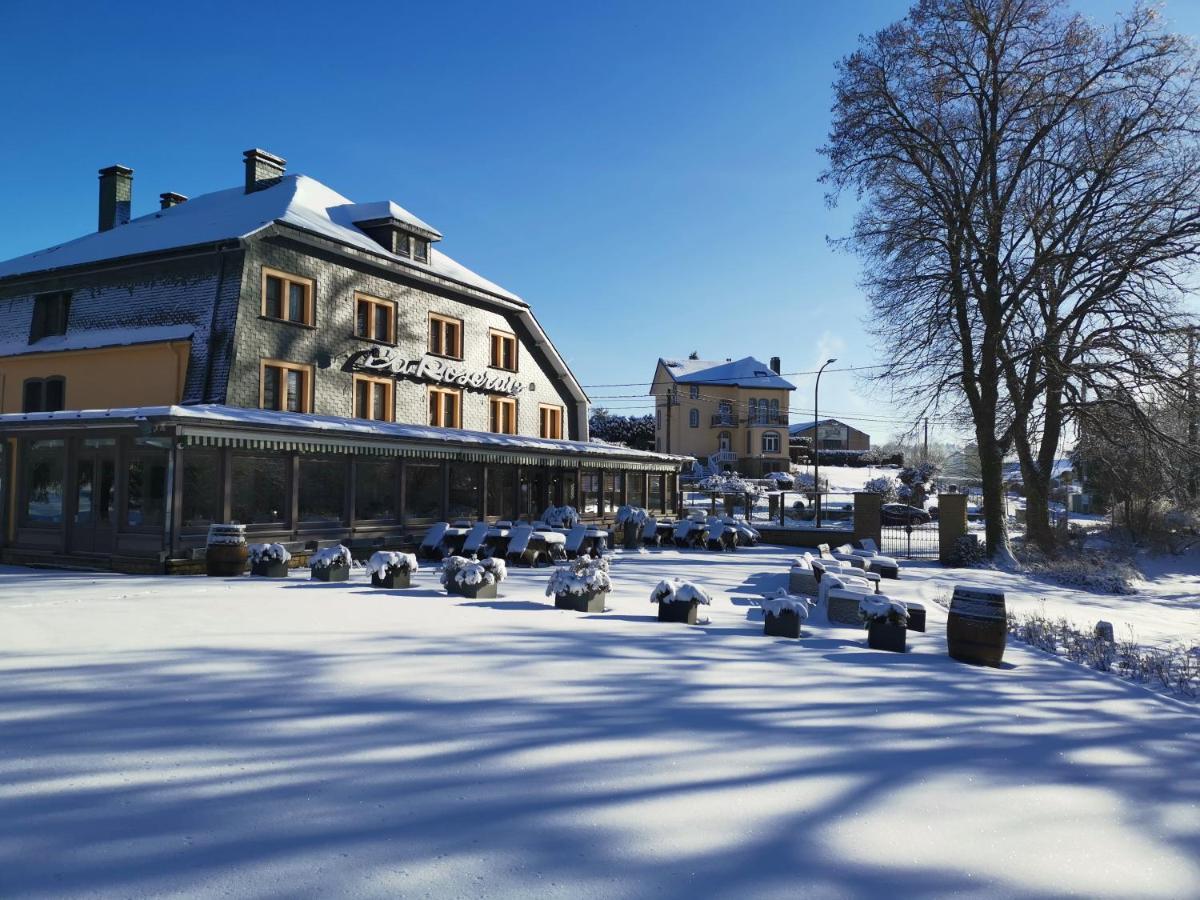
[[1030, 199]]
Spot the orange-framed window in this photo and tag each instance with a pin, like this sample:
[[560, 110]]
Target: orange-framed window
[[504, 350], [285, 386], [288, 298], [552, 421], [374, 398], [445, 407], [374, 319], [445, 336], [503, 415]]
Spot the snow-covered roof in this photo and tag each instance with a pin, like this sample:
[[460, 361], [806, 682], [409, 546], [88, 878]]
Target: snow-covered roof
[[18, 345], [747, 372], [218, 414], [381, 210], [295, 200], [801, 427]]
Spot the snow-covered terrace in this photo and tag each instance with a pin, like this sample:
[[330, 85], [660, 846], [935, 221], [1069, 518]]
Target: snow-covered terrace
[[206, 737]]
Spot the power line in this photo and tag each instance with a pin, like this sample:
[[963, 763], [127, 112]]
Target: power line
[[733, 381]]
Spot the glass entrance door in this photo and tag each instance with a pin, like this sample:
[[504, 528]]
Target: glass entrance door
[[94, 478]]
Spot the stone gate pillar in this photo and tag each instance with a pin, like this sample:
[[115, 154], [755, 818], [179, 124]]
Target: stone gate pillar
[[952, 523], [868, 522]]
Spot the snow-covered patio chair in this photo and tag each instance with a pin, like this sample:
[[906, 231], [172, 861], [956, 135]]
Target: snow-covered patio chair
[[518, 546], [720, 535], [688, 533], [747, 534], [841, 603], [555, 543], [884, 566], [801, 578], [574, 541], [650, 532], [474, 539], [431, 545]]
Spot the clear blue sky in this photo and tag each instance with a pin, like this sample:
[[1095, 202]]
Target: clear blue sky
[[643, 173]]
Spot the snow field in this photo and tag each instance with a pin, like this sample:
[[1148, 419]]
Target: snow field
[[249, 738]]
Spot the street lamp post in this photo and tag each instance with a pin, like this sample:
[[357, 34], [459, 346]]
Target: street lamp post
[[815, 450]]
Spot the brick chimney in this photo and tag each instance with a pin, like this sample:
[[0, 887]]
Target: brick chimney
[[167, 199], [775, 364], [263, 169], [116, 196]]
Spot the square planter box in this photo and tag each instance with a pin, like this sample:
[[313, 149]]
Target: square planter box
[[916, 616], [679, 612], [269, 569], [391, 579], [886, 636], [331, 573], [786, 624], [473, 591], [591, 602]]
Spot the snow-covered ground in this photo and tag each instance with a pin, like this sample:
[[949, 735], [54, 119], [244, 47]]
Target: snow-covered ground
[[204, 737]]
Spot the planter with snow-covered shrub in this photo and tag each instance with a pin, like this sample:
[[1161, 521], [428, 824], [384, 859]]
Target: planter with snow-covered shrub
[[886, 621], [391, 570], [561, 516], [783, 614], [331, 564], [472, 578], [679, 601], [226, 554], [581, 585], [629, 524], [269, 560]]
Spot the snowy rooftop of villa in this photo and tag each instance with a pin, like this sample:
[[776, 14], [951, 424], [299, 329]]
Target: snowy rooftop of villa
[[296, 200], [748, 372], [336, 428]]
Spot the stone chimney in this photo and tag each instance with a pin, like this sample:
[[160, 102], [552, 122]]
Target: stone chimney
[[775, 364], [263, 169], [116, 196], [167, 199]]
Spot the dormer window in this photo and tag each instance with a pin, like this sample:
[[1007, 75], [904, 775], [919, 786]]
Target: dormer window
[[420, 249], [50, 312], [394, 228]]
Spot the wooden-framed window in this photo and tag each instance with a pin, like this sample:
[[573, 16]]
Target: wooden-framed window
[[285, 386], [552, 421], [420, 249], [374, 319], [50, 314], [445, 407], [504, 350], [43, 394], [445, 336], [373, 398], [502, 415], [288, 298]]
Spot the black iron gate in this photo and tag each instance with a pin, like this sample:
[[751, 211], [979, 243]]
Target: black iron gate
[[911, 541]]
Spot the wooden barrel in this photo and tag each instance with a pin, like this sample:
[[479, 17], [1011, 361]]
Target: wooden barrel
[[226, 553], [977, 628]]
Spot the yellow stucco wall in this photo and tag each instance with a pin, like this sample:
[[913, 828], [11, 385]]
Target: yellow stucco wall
[[142, 375]]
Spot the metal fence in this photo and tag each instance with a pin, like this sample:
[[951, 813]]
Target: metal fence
[[911, 541]]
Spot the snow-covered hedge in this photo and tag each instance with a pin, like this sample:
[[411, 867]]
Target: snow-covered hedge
[[783, 481], [581, 576], [330, 557], [383, 560], [878, 608], [884, 486], [261, 553], [468, 572], [729, 484], [561, 516], [781, 601], [677, 591], [635, 514]]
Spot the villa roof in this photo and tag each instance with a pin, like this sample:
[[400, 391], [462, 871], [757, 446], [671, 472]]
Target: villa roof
[[747, 372]]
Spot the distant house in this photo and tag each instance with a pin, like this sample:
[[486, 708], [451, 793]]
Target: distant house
[[831, 435], [730, 414]]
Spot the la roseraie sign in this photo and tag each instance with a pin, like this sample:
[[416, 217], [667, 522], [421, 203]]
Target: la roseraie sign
[[385, 360]]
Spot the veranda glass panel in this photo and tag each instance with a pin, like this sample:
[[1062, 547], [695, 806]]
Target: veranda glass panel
[[145, 497], [422, 492], [612, 491], [201, 488], [655, 501], [374, 489], [465, 491], [500, 489], [259, 489], [44, 461], [591, 493], [322, 490], [637, 488]]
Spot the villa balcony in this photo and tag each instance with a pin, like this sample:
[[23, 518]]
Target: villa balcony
[[732, 421]]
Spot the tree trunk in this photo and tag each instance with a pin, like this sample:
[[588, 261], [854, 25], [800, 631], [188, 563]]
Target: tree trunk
[[991, 459]]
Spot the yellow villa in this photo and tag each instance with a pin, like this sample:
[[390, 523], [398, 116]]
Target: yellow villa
[[730, 414]]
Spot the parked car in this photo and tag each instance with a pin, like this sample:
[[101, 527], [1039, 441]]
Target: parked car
[[900, 514]]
